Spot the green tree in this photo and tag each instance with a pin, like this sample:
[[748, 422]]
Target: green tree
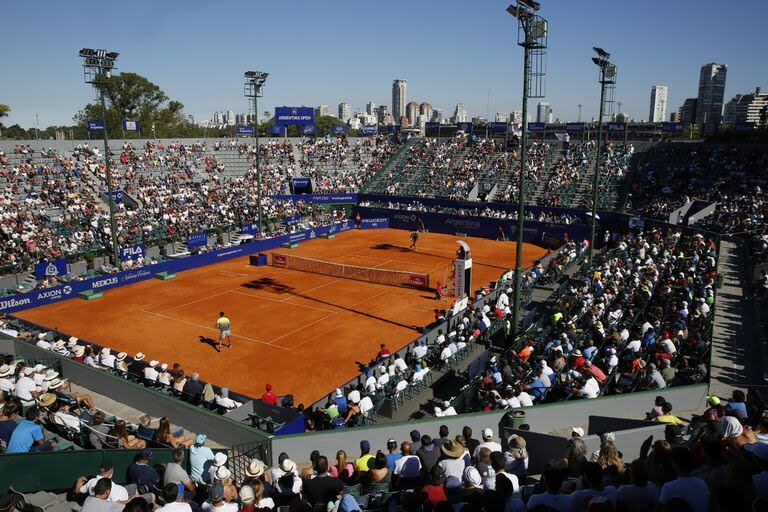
[[4, 110]]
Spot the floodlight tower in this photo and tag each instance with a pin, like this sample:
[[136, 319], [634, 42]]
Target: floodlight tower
[[97, 69], [532, 31], [254, 82], [607, 79]]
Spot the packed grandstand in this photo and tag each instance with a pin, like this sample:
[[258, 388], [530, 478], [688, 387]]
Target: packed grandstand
[[635, 324]]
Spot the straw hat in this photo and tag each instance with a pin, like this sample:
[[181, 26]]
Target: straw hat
[[452, 449], [105, 351], [255, 469], [153, 363], [72, 339], [71, 344], [139, 356], [223, 473], [56, 383], [79, 351], [51, 374], [46, 399], [5, 370], [288, 466], [121, 356]]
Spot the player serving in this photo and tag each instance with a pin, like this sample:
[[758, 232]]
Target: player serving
[[414, 239], [224, 325]]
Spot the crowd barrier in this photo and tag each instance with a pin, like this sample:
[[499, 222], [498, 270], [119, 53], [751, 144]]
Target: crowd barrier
[[319, 198], [70, 290]]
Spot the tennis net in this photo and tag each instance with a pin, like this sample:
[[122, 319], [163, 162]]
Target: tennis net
[[368, 274]]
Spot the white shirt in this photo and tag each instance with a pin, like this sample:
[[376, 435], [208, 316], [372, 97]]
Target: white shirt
[[68, 420], [108, 361], [150, 374], [491, 445], [227, 402], [7, 384], [525, 399], [445, 354], [43, 344], [24, 388], [400, 364], [634, 346], [453, 467], [177, 506], [118, 493], [354, 396], [225, 507], [420, 351], [591, 388]]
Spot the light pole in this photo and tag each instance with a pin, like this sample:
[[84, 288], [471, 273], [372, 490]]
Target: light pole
[[97, 68], [607, 85], [532, 36], [254, 82]]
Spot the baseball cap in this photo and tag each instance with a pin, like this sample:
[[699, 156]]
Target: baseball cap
[[145, 454], [713, 400], [365, 445], [200, 438], [220, 459], [487, 433], [217, 492], [578, 431], [246, 494]]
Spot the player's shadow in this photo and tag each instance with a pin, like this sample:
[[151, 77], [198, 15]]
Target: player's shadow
[[210, 341], [267, 283]]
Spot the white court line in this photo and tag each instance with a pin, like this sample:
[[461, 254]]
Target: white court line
[[321, 319], [261, 297], [209, 328]]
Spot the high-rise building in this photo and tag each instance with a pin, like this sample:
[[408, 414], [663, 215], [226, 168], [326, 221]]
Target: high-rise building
[[383, 113], [218, 119], [345, 111], [674, 117], [501, 118], [688, 111], [425, 109], [412, 112], [658, 111], [370, 108], [399, 97], [544, 113], [437, 115], [516, 117], [322, 110], [459, 114], [230, 118], [747, 108], [709, 108]]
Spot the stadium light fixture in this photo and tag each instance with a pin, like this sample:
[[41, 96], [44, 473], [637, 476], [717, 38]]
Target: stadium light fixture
[[254, 83], [607, 82], [97, 68], [532, 31]]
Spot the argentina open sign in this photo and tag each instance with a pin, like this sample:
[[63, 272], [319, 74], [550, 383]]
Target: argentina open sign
[[294, 116]]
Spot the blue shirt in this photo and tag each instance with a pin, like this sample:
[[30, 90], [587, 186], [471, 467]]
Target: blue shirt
[[24, 436], [142, 474], [392, 458], [537, 388], [341, 402], [200, 460]]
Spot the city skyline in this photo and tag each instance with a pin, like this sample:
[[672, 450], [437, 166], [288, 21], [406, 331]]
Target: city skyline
[[153, 46]]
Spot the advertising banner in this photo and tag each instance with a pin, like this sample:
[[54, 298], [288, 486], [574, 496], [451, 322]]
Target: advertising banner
[[498, 127], [95, 125], [132, 252], [250, 229], [369, 130], [52, 268], [616, 127], [319, 198], [465, 127], [309, 129], [672, 127], [277, 131], [197, 239], [294, 116], [377, 223], [339, 129], [117, 196], [574, 127], [393, 128], [245, 129], [536, 127], [130, 126]]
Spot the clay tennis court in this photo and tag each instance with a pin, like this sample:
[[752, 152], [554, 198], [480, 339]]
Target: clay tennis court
[[301, 332]]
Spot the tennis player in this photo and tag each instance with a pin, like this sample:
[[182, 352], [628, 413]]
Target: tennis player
[[414, 239], [224, 325]]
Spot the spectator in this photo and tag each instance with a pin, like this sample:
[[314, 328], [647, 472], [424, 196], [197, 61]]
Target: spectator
[[99, 500], [176, 474], [28, 436], [142, 474], [690, 489]]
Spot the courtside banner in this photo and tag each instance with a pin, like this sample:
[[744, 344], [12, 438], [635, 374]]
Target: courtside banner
[[616, 127], [294, 115], [132, 252], [278, 260], [45, 296], [379, 223], [574, 127], [250, 229], [318, 198], [52, 268], [197, 239]]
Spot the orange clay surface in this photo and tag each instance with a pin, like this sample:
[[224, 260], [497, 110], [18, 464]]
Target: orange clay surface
[[301, 332]]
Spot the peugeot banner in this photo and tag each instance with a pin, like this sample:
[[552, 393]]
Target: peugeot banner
[[294, 115]]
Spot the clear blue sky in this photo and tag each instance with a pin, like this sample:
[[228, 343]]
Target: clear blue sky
[[326, 52]]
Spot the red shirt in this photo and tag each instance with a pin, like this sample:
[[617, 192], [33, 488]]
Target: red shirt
[[433, 494], [597, 373], [384, 352], [269, 398]]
